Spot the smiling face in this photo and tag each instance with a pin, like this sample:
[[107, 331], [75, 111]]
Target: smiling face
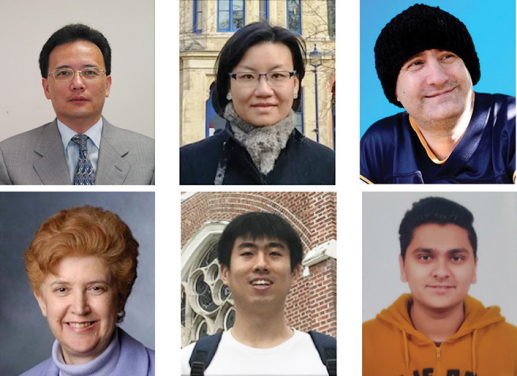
[[80, 304], [259, 273], [439, 267], [77, 103], [263, 105], [435, 85]]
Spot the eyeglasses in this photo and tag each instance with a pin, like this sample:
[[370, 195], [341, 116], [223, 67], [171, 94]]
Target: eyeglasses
[[67, 74], [249, 79]]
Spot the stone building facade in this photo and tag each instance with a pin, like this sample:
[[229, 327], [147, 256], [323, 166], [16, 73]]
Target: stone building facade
[[207, 305], [203, 32]]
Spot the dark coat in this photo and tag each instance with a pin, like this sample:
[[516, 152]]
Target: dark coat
[[301, 162]]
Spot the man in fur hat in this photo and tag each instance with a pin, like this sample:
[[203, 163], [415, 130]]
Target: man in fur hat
[[427, 64]]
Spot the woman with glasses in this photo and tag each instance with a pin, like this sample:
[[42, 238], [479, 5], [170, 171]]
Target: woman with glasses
[[258, 87]]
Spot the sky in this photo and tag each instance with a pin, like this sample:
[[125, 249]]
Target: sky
[[490, 23]]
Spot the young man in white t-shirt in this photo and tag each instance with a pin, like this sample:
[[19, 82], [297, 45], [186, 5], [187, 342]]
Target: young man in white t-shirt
[[260, 256]]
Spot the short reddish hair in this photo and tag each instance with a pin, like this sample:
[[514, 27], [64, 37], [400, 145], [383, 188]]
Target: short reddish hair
[[84, 231]]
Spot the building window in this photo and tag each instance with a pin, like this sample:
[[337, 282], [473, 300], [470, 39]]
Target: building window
[[230, 15], [208, 302], [331, 7], [294, 16], [264, 10], [198, 15], [214, 122]]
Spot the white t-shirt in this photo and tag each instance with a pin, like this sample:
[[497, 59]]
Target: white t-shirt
[[296, 356]]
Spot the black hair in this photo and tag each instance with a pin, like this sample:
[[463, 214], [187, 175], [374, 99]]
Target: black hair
[[436, 210], [259, 225], [246, 37], [72, 33]]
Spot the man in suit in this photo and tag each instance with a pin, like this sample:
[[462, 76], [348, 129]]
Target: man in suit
[[80, 146]]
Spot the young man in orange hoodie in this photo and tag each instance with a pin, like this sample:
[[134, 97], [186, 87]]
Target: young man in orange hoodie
[[438, 329]]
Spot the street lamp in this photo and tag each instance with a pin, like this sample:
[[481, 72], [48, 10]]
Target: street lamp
[[315, 61]]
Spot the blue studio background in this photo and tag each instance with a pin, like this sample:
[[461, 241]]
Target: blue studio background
[[490, 23]]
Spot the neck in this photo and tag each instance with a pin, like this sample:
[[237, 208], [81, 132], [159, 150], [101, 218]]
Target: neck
[[260, 329], [438, 325], [79, 125], [444, 135]]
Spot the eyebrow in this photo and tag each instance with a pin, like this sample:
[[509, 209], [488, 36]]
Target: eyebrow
[[271, 244], [450, 251], [272, 68], [66, 283], [84, 66]]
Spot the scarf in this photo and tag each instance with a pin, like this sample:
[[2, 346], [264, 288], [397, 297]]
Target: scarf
[[264, 144]]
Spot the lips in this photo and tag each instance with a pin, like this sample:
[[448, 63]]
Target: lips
[[440, 93], [440, 288], [81, 326], [78, 99], [261, 283], [263, 105]]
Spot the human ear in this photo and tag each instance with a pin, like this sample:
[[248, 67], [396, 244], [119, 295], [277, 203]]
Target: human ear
[[44, 83], [297, 271], [403, 276], [474, 277], [225, 271], [108, 86], [42, 304]]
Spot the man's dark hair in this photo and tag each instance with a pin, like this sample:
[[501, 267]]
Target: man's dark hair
[[436, 210], [72, 33], [240, 42], [257, 225]]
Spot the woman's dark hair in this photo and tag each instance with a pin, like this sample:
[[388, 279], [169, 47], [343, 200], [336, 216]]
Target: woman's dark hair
[[240, 42], [72, 33], [256, 225], [436, 210]]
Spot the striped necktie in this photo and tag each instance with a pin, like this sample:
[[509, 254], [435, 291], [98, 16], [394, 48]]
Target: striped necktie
[[84, 173]]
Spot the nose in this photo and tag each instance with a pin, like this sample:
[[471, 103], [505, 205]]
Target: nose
[[263, 89], [80, 304], [77, 82], [441, 269], [436, 73], [261, 262]]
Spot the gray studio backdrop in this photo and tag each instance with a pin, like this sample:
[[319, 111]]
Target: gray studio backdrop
[[25, 338], [26, 25], [495, 221]]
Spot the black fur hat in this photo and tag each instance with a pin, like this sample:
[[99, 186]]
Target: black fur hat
[[420, 28]]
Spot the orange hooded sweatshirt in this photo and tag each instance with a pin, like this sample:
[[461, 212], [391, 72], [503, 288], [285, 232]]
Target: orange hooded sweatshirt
[[484, 345]]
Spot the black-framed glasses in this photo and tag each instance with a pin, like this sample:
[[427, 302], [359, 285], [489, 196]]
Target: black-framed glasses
[[274, 78], [67, 74]]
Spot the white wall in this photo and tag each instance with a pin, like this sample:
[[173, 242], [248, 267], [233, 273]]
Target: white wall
[[26, 25], [495, 222]]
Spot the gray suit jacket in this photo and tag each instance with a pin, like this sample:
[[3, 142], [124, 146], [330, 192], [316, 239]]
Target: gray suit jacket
[[37, 157]]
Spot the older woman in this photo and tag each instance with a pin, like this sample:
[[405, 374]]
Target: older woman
[[82, 266], [258, 84]]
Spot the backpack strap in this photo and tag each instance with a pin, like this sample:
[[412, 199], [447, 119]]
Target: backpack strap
[[326, 346], [203, 354]]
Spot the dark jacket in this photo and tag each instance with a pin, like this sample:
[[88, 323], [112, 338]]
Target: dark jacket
[[301, 162]]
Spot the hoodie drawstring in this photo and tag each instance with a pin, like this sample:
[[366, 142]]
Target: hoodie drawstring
[[406, 351], [474, 351]]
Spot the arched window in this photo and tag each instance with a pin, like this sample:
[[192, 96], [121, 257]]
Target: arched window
[[206, 303]]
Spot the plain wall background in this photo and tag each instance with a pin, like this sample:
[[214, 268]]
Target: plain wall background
[[25, 338], [490, 23], [495, 222], [26, 25]]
